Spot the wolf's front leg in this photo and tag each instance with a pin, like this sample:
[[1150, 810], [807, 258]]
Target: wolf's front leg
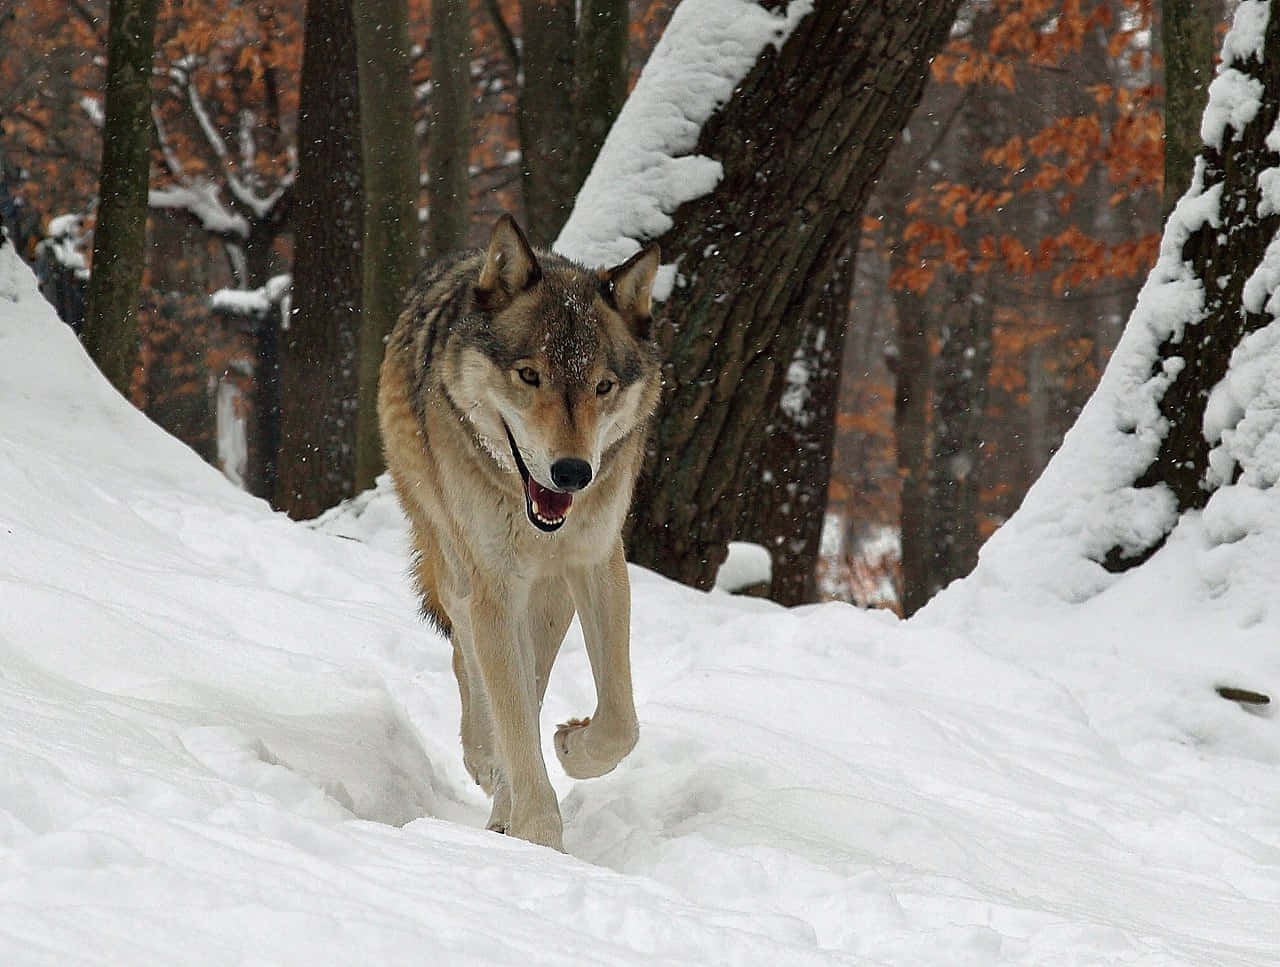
[[591, 747], [504, 657]]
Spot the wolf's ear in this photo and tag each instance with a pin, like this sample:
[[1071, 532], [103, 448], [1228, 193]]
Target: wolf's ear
[[631, 287], [510, 264]]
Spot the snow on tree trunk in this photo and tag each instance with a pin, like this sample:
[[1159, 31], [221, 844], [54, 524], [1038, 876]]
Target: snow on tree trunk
[[1231, 216], [1185, 419], [798, 133]]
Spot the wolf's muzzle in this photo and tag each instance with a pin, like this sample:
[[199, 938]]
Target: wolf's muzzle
[[571, 474], [546, 508]]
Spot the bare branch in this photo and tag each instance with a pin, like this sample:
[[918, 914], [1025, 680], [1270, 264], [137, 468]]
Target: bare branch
[[505, 35]]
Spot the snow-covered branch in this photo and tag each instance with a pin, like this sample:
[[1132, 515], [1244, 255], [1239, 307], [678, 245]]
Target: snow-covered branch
[[646, 168], [201, 197]]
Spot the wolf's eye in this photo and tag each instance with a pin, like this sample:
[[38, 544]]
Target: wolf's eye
[[603, 387], [530, 376]]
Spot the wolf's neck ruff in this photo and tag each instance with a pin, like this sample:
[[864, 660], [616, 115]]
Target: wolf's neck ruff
[[547, 509]]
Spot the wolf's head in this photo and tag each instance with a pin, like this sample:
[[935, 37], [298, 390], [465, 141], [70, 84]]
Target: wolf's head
[[555, 366]]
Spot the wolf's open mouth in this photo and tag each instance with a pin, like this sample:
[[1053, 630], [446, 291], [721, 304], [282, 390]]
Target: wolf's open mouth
[[547, 508]]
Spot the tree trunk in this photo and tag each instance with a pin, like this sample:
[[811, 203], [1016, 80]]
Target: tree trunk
[[959, 403], [1224, 252], [1186, 34], [801, 143], [390, 172], [319, 359], [912, 371], [267, 409], [600, 75], [449, 138], [787, 512], [544, 116], [119, 240]]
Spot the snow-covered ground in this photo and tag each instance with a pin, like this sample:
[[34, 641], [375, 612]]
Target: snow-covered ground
[[226, 739]]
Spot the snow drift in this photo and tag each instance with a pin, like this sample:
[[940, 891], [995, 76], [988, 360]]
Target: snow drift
[[225, 739]]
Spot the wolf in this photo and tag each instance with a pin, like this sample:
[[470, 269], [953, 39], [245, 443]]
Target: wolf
[[514, 401]]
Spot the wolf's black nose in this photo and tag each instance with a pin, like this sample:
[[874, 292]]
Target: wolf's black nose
[[571, 473]]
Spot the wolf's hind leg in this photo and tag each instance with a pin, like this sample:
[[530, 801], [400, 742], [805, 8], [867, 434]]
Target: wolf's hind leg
[[591, 747]]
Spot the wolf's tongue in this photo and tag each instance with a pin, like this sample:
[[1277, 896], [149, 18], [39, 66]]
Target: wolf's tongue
[[551, 504]]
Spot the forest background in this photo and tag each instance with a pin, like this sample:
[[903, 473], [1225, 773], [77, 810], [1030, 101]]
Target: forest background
[[996, 260]]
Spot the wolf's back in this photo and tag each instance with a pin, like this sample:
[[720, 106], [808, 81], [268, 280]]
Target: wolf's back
[[435, 304]]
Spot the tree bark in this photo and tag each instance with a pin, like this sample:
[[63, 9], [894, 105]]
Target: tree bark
[[119, 240], [319, 359], [1224, 252], [390, 181], [912, 370], [959, 403], [449, 139], [1186, 29], [600, 75], [801, 142], [544, 116], [787, 512]]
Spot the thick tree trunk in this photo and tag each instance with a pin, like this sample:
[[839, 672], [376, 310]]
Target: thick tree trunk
[[801, 142], [449, 138], [1225, 253], [119, 240], [787, 512], [544, 116], [390, 182], [600, 75], [319, 352], [1187, 38]]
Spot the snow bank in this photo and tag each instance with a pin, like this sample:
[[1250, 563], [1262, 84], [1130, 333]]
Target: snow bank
[[647, 168], [226, 739]]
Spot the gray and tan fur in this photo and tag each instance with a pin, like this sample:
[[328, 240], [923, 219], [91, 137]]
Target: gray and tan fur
[[515, 397]]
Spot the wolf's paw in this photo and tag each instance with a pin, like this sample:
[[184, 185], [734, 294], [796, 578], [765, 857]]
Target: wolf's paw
[[481, 767], [544, 830], [586, 749]]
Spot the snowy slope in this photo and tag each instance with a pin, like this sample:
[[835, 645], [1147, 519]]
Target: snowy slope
[[225, 739]]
